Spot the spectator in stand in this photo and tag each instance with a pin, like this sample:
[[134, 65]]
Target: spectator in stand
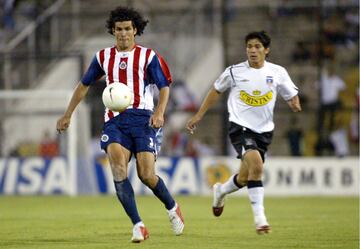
[[182, 98], [8, 17], [330, 86], [352, 27], [285, 9], [339, 141], [204, 149], [48, 146], [178, 144], [294, 136], [334, 32], [301, 52], [184, 145]]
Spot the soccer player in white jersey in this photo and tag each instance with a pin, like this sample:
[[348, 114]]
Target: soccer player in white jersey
[[254, 85], [137, 129]]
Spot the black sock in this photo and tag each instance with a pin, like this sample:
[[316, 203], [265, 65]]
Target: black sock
[[125, 194], [161, 192], [254, 184]]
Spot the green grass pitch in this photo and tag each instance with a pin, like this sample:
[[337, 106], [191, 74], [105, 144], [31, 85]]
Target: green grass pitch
[[56, 222]]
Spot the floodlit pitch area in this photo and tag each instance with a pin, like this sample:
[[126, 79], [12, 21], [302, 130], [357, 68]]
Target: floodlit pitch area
[[99, 222]]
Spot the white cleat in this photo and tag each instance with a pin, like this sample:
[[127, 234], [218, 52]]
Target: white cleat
[[176, 219], [218, 200], [261, 225], [140, 233]]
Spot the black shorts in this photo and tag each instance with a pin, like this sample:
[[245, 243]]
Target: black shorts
[[243, 138]]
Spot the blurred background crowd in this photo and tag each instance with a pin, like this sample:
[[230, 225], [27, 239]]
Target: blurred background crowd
[[316, 40]]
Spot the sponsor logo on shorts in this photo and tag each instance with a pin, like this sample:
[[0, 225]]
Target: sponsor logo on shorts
[[104, 138]]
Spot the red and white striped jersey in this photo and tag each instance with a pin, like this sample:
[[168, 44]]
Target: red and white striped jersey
[[141, 69]]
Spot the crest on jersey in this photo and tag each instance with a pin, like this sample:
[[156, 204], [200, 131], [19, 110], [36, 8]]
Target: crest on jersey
[[122, 65], [269, 80]]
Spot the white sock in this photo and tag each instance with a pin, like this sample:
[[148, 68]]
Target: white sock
[[229, 186], [256, 196]]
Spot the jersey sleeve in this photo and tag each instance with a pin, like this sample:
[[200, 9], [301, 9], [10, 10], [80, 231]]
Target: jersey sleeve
[[158, 72], [224, 81], [287, 89], [93, 73]]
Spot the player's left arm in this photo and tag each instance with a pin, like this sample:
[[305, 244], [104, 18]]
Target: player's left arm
[[159, 73], [294, 104], [157, 119], [289, 91]]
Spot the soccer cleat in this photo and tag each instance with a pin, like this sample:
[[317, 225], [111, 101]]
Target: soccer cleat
[[261, 224], [176, 219], [218, 200], [140, 233]]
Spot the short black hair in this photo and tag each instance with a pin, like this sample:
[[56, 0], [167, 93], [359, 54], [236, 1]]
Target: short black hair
[[262, 36], [121, 14]]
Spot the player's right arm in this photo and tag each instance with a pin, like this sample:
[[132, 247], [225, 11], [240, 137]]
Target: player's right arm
[[289, 91], [211, 98], [78, 95], [93, 73]]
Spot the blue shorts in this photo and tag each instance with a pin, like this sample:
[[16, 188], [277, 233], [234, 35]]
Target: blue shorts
[[132, 130]]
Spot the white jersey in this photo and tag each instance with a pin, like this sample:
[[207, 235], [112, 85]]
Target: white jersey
[[253, 93]]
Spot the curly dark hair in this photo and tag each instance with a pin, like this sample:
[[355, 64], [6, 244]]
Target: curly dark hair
[[262, 36], [121, 14]]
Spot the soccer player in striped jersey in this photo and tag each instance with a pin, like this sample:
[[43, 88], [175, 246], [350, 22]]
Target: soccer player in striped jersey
[[137, 129], [254, 85]]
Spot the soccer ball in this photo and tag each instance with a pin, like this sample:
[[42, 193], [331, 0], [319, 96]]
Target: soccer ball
[[117, 96]]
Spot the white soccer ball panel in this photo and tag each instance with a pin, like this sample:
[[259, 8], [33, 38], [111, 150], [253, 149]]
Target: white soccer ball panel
[[117, 96]]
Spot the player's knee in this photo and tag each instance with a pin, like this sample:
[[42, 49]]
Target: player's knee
[[242, 180], [256, 169], [119, 171]]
